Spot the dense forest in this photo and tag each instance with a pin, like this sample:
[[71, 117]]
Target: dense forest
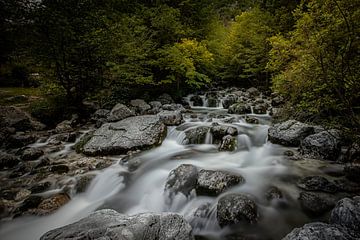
[[307, 51]]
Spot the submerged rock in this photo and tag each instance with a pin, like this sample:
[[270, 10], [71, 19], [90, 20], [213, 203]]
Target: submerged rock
[[289, 133], [109, 224], [132, 133], [119, 112], [213, 183], [273, 193], [236, 208], [317, 183], [182, 179], [319, 231], [324, 145]]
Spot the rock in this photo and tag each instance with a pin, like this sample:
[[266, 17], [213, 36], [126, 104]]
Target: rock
[[20, 140], [239, 108], [277, 101], [211, 102], [31, 154], [31, 202], [253, 92], [120, 112], [15, 118], [260, 109], [155, 107], [79, 146], [133, 133], [353, 153], [273, 193], [171, 118], [228, 143], [173, 107], [165, 99], [140, 106], [345, 185], [352, 172], [316, 204], [64, 126], [8, 160], [212, 183], [347, 214], [22, 194], [40, 187], [229, 100], [100, 114], [251, 120], [59, 169], [51, 204], [83, 182], [109, 224], [289, 133], [319, 231], [317, 183], [195, 135], [236, 208], [62, 137], [203, 211], [197, 101], [324, 145], [219, 131], [182, 179]]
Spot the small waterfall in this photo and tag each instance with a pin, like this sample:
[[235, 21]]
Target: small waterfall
[[209, 138]]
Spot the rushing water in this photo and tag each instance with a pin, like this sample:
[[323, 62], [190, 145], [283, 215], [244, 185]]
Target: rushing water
[[258, 161]]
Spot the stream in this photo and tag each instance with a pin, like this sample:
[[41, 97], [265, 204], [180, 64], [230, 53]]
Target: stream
[[261, 163]]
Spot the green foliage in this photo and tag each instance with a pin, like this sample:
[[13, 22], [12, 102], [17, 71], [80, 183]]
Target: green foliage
[[316, 65]]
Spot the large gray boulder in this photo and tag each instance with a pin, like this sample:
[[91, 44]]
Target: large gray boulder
[[140, 132], [171, 118], [236, 208], [213, 183], [109, 224], [120, 112], [140, 106], [319, 231], [347, 214], [324, 145], [289, 133], [182, 179]]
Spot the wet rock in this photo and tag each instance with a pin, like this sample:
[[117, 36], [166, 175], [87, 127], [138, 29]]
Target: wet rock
[[182, 179], [64, 126], [132, 133], [239, 108], [345, 185], [316, 204], [120, 112], [8, 160], [100, 114], [173, 107], [83, 182], [109, 224], [317, 183], [197, 101], [196, 135], [229, 100], [62, 137], [253, 92], [40, 187], [79, 146], [59, 169], [352, 172], [22, 194], [20, 140], [213, 183], [165, 99], [273, 193], [171, 118], [260, 109], [289, 133], [51, 204], [319, 231], [277, 101], [31, 154], [228, 143], [140, 106], [203, 211], [251, 120], [29, 203], [324, 145], [219, 131], [156, 107], [236, 208], [212, 102], [15, 118], [353, 153], [347, 214]]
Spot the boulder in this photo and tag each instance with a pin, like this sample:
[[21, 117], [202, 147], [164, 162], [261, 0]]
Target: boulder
[[173, 107], [195, 135], [109, 224], [83, 182], [317, 183], [212, 183], [316, 204], [119, 112], [171, 118], [253, 92], [140, 106], [40, 187], [182, 179], [140, 132], [156, 107], [251, 120], [289, 133], [347, 214], [51, 204], [19, 140], [8, 160], [211, 102], [319, 231], [15, 118], [165, 99], [100, 114], [260, 109], [324, 145], [64, 126], [239, 108], [236, 208], [228, 143], [229, 100], [197, 101], [31, 154], [219, 131]]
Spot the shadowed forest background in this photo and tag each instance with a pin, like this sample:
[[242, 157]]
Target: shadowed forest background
[[110, 51]]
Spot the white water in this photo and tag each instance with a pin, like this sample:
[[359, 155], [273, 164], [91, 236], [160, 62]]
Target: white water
[[258, 161]]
